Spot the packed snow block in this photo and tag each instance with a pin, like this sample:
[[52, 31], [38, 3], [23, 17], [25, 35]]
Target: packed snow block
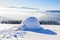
[[33, 25]]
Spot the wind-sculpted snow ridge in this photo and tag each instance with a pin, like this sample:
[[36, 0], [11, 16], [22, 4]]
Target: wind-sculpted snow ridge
[[33, 25], [15, 32]]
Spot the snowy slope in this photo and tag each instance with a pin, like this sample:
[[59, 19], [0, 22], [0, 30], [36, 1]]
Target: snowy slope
[[32, 35]]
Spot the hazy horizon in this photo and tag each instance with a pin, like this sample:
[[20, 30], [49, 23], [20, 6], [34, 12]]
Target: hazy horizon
[[38, 4]]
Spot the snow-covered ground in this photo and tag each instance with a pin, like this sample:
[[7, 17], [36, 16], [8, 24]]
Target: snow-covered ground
[[32, 35]]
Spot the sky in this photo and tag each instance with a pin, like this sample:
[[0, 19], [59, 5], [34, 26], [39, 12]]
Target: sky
[[11, 9], [39, 4]]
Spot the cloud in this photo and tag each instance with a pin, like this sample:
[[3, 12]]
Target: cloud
[[30, 8], [18, 14]]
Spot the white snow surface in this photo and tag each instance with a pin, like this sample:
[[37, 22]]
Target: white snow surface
[[31, 35]]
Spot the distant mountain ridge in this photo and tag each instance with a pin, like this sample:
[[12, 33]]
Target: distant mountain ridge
[[58, 11]]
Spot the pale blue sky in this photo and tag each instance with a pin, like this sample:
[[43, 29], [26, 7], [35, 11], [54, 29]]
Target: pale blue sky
[[40, 4]]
